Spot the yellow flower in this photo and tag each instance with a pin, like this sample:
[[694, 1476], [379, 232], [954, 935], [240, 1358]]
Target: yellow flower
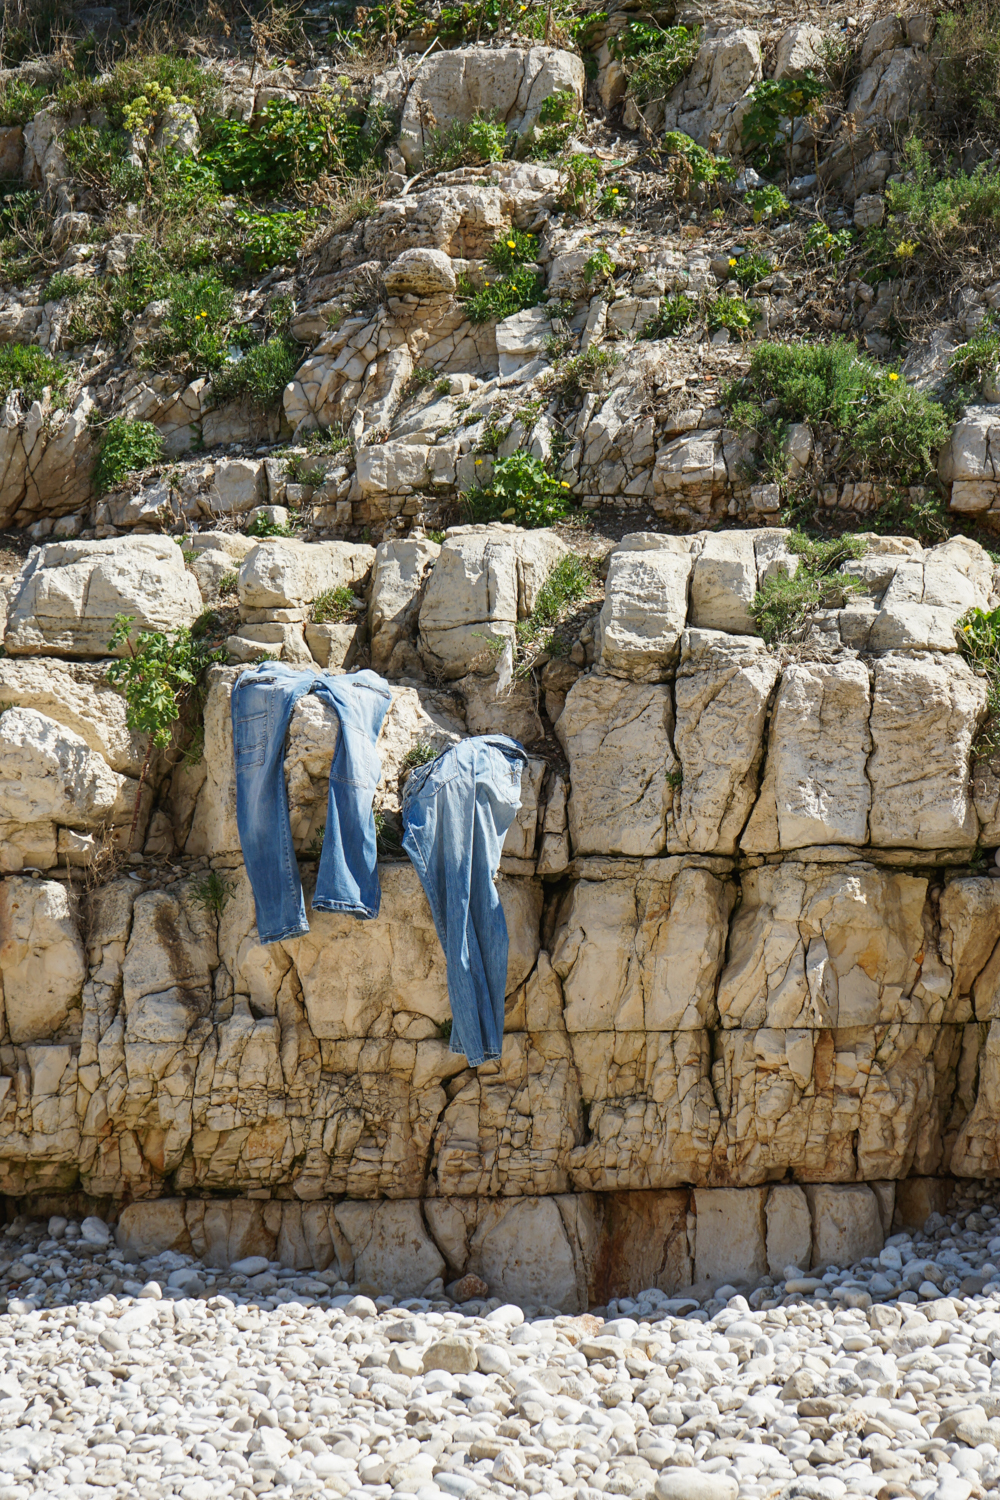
[[511, 245], [565, 484], [732, 260], [478, 462], [614, 190], [893, 376]]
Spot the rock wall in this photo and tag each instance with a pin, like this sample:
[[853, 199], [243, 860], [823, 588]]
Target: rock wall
[[753, 995]]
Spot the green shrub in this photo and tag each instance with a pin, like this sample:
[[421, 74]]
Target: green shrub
[[831, 244], [888, 427], [689, 164], [654, 58], [25, 368], [508, 294], [196, 330], [483, 139], [766, 202], [421, 754], [155, 677], [133, 75], [612, 203], [271, 239], [19, 102], [978, 634], [264, 526], [334, 606], [512, 249], [63, 284], [938, 211], [211, 892], [772, 101], [578, 184], [729, 312], [556, 118], [676, 312], [261, 375], [782, 604], [521, 490], [599, 267], [125, 447], [751, 268], [288, 142]]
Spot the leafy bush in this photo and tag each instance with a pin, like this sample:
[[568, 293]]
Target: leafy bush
[[421, 754], [260, 375], [612, 202], [196, 328], [133, 75], [578, 184], [729, 312], [887, 426], [935, 210], [508, 294], [334, 606], [782, 604], [521, 490], [125, 447], [773, 100], [288, 142], [482, 140], [599, 267], [271, 239], [766, 202], [263, 526], [979, 358], [676, 312], [512, 249], [689, 164], [556, 119], [19, 102], [751, 268], [654, 58], [63, 284], [831, 244], [25, 368]]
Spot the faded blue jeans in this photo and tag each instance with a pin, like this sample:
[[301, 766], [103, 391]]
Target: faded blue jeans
[[347, 880], [456, 812]]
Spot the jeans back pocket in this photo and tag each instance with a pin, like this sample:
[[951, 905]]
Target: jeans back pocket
[[250, 740]]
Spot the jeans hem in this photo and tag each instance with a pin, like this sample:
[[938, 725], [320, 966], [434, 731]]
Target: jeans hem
[[346, 909], [285, 933], [487, 1056]]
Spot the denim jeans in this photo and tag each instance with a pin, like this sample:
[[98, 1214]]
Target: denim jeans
[[347, 880], [456, 811]]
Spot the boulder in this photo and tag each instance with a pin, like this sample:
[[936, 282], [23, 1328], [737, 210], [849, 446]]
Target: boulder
[[390, 1246], [847, 1224], [280, 574], [522, 337], [730, 1239], [423, 272], [789, 1229], [617, 738], [50, 774], [724, 582], [485, 579], [707, 101], [645, 606], [503, 82], [69, 593], [798, 50], [42, 960], [399, 577]]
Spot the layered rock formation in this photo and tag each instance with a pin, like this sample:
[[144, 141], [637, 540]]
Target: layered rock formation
[[753, 964]]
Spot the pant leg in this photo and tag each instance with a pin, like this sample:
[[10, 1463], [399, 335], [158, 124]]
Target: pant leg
[[347, 879], [455, 820], [262, 704]]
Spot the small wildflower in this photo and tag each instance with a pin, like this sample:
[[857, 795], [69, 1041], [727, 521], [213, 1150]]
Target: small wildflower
[[478, 462], [511, 245], [614, 190], [893, 376], [565, 484], [732, 260]]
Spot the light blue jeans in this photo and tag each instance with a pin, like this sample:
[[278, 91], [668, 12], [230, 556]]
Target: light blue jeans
[[456, 812], [347, 880]]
